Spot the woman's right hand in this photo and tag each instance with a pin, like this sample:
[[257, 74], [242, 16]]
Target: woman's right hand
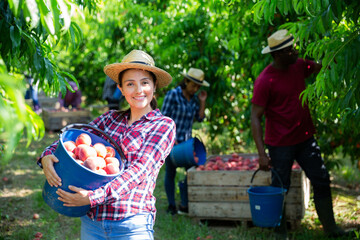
[[49, 170]]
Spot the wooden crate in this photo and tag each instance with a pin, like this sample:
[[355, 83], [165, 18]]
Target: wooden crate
[[222, 195], [56, 120]]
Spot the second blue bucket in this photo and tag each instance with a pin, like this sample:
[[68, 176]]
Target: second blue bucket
[[266, 204], [182, 154], [72, 173]]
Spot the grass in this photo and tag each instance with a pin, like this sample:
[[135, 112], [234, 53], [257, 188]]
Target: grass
[[20, 198]]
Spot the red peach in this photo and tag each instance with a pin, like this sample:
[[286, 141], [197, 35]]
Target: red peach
[[36, 216], [94, 163], [110, 152], [87, 152], [100, 149], [70, 146], [38, 235], [83, 139], [112, 160], [77, 149], [111, 169]]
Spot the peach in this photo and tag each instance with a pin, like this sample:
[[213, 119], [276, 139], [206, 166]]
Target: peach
[[79, 161], [111, 169], [77, 149], [95, 163], [110, 152], [71, 154], [101, 171], [86, 152], [100, 149], [83, 139], [70, 146], [112, 160]]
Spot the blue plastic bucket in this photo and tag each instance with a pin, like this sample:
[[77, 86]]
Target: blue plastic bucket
[[72, 173], [182, 154], [266, 204]]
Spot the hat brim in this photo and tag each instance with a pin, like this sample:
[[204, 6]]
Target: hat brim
[[268, 50], [113, 70], [203, 83]]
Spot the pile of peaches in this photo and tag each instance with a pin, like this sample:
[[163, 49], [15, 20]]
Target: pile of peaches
[[233, 162], [98, 157]]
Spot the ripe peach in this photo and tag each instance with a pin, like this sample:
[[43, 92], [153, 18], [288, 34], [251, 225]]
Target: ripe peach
[[79, 161], [83, 139], [94, 163], [36, 216], [70, 146], [110, 152], [71, 154], [100, 149], [112, 160], [86, 152], [77, 149], [38, 235], [101, 171], [111, 169]]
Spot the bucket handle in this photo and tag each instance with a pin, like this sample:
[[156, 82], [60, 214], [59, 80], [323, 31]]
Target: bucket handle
[[80, 125], [274, 172]]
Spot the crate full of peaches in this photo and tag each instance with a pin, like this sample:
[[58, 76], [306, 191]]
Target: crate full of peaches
[[234, 161], [98, 158]]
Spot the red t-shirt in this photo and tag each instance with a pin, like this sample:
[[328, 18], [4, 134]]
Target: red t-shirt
[[287, 121]]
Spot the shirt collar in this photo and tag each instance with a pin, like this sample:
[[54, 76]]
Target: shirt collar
[[150, 115]]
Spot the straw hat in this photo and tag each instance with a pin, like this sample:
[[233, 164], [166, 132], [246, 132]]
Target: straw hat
[[140, 60], [278, 40], [197, 76]]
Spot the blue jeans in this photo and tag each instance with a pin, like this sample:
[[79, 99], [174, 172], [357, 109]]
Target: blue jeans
[[308, 155], [170, 174], [137, 227]]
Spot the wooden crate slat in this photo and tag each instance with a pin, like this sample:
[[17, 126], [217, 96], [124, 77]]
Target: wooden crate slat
[[235, 178], [235, 210], [229, 193], [56, 120]]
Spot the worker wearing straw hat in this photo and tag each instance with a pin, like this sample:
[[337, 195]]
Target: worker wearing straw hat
[[125, 205], [183, 105], [289, 130]]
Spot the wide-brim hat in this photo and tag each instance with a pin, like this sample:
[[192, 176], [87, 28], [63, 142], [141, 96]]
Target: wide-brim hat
[[278, 40], [139, 60], [197, 76]]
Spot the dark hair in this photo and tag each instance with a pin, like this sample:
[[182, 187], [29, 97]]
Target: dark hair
[[153, 102], [182, 84]]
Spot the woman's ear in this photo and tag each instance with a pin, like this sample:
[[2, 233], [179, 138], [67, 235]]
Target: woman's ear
[[118, 86]]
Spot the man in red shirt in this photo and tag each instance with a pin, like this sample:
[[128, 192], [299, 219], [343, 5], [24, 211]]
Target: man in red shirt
[[289, 130]]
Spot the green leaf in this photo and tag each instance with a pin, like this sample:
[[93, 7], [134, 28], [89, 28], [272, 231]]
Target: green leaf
[[65, 14], [15, 37], [31, 10], [46, 17], [56, 15], [15, 6]]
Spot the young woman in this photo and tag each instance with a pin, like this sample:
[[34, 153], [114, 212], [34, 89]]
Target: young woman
[[183, 105], [125, 207]]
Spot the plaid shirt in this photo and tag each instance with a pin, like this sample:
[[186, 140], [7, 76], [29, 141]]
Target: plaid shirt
[[146, 144], [182, 111]]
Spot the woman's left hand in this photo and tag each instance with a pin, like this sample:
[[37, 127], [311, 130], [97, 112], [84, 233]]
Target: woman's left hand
[[77, 199], [202, 95]]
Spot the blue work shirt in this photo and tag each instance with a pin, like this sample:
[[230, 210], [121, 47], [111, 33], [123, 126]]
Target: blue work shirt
[[182, 111]]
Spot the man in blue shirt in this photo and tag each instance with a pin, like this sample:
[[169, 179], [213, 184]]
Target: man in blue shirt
[[183, 105]]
